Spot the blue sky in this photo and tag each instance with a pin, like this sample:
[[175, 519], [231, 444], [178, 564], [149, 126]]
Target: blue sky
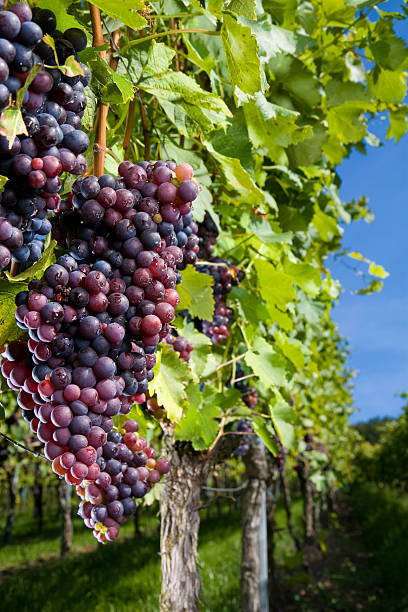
[[377, 325]]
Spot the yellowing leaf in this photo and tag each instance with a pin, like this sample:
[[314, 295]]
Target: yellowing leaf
[[377, 270]]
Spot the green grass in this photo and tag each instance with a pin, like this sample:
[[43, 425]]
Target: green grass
[[125, 576], [383, 519], [120, 577]]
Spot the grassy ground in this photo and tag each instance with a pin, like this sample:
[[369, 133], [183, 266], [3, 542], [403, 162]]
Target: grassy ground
[[120, 577], [364, 567], [382, 516]]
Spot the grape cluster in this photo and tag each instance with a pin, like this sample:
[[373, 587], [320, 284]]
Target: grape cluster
[[218, 329], [243, 427], [280, 457], [250, 398], [52, 108], [128, 471], [94, 327], [64, 409], [207, 234], [180, 344]]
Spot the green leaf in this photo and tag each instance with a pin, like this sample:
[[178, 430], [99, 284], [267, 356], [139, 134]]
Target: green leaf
[[159, 59], [274, 40], [113, 87], [292, 349], [8, 328], [208, 63], [374, 286], [387, 85], [244, 8], [283, 417], [271, 126], [337, 13], [125, 10], [37, 269], [306, 276], [276, 286], [235, 141], [240, 49], [360, 4], [237, 178], [326, 226], [181, 88], [271, 368], [169, 382], [202, 361], [199, 425], [346, 123], [189, 107], [3, 181], [263, 230], [265, 431], [398, 123], [249, 308], [195, 293]]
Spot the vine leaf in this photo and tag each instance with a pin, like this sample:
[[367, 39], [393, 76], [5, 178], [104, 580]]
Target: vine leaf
[[169, 382], [126, 11], [199, 425], [271, 367], [283, 417], [196, 293], [241, 52]]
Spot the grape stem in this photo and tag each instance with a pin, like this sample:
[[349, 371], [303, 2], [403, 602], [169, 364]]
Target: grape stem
[[139, 41], [19, 445], [222, 365], [235, 380]]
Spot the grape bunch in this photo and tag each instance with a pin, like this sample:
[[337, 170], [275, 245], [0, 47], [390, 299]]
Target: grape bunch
[[218, 329], [243, 427], [186, 232], [180, 344], [94, 327], [128, 471], [207, 234], [52, 108], [70, 419], [250, 398], [280, 457]]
